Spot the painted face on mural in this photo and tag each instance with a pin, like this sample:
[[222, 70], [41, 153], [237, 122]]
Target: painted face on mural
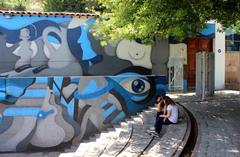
[[68, 107]]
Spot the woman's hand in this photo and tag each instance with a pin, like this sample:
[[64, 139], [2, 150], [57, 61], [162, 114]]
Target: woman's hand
[[162, 116], [164, 119]]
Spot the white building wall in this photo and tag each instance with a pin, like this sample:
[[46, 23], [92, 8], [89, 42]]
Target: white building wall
[[219, 50]]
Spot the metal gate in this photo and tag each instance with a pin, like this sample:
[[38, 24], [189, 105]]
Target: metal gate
[[204, 74], [175, 73]]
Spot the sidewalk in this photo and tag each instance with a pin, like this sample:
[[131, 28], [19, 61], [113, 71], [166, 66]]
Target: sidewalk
[[218, 119]]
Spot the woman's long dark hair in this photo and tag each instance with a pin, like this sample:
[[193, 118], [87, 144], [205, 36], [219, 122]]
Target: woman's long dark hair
[[168, 100], [157, 97]]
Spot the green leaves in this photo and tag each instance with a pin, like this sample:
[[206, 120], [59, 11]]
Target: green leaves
[[144, 19], [19, 5], [70, 5]]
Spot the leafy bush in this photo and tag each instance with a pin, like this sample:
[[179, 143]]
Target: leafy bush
[[81, 6], [64, 5], [19, 5]]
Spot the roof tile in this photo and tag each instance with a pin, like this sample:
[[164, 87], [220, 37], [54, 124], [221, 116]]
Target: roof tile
[[61, 14]]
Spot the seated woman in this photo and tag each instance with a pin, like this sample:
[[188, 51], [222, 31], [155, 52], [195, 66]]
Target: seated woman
[[161, 107], [169, 116]]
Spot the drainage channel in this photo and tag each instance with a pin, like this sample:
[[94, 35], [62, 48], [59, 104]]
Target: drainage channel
[[127, 143], [188, 150]]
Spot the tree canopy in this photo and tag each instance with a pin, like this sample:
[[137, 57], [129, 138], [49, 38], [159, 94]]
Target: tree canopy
[[144, 20], [19, 5], [64, 5], [70, 5]]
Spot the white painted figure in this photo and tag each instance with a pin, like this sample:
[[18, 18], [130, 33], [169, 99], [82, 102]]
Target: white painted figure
[[138, 54], [24, 51]]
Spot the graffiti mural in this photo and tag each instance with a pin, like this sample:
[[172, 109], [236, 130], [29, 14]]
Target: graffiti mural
[[56, 46], [57, 83], [45, 112]]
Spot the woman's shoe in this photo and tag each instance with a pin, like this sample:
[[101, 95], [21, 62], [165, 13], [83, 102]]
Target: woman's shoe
[[155, 134]]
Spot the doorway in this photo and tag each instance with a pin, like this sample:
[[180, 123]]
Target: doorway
[[195, 45]]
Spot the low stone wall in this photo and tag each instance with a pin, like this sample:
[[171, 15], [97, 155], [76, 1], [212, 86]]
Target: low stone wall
[[232, 72]]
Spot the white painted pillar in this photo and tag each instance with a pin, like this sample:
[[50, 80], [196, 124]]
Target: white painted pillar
[[219, 50]]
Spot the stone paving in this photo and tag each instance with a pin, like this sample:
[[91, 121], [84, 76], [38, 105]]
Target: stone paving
[[218, 120]]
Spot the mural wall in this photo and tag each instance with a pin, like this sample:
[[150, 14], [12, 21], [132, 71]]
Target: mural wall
[[57, 83], [46, 112], [50, 46]]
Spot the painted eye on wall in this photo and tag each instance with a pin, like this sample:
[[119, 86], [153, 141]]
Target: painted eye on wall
[[137, 86]]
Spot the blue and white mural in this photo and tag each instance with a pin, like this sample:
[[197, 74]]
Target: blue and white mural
[[48, 111], [57, 82], [50, 46]]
